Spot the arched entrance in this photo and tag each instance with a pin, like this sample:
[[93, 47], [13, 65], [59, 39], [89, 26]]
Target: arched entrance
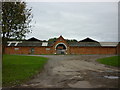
[[61, 48]]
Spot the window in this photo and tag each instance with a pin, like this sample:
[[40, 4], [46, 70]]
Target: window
[[47, 48], [16, 48], [32, 50]]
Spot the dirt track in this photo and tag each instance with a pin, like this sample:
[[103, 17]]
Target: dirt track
[[74, 71]]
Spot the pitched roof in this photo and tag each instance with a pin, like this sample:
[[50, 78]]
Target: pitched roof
[[88, 40], [27, 43], [33, 39], [85, 44]]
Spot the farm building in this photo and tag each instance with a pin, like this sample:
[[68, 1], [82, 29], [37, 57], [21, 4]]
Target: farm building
[[61, 46]]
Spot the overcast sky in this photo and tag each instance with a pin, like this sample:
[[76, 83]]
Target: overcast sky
[[75, 20]]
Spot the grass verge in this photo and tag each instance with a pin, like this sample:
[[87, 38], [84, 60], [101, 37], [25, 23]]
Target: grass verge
[[17, 69], [112, 61]]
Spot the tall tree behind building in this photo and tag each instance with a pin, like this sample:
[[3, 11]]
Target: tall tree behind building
[[16, 20]]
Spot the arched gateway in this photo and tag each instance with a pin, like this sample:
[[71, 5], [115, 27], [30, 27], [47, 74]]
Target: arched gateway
[[60, 48]]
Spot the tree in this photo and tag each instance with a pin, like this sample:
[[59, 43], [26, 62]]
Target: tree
[[71, 41], [68, 41], [52, 39], [16, 20]]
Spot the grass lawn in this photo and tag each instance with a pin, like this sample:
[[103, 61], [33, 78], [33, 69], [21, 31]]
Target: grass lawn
[[112, 61], [17, 69], [0, 77]]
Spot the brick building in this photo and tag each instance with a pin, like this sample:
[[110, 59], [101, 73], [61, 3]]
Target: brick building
[[61, 46]]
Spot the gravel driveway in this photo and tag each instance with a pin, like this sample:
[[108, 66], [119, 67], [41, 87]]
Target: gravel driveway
[[74, 71]]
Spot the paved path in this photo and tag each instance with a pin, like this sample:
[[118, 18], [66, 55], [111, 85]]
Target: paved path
[[74, 71]]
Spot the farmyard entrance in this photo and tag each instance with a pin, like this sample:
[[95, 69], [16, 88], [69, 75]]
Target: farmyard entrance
[[61, 48], [74, 71]]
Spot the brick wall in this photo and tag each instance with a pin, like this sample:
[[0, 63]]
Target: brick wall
[[118, 49], [93, 50], [27, 50], [71, 50]]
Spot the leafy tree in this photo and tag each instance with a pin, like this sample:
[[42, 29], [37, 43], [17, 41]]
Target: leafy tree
[[52, 39], [16, 20]]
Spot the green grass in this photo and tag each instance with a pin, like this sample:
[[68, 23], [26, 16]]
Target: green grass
[[112, 61], [17, 69], [0, 77]]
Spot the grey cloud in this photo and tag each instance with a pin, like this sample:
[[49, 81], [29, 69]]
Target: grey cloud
[[75, 20]]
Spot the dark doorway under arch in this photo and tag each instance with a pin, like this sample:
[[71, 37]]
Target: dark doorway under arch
[[61, 49]]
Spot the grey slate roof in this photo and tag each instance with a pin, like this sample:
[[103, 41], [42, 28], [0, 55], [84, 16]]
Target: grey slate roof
[[85, 44], [39, 43], [27, 43], [88, 40], [33, 39], [51, 43], [12, 44]]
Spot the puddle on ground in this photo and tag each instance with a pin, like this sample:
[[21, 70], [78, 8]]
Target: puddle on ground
[[109, 71], [109, 74], [111, 77]]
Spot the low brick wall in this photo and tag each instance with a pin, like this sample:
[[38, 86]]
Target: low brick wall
[[93, 50], [71, 50], [27, 50]]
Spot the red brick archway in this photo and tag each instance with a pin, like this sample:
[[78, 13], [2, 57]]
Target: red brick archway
[[61, 48]]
